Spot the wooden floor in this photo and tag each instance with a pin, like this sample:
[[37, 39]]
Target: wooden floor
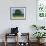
[[13, 44]]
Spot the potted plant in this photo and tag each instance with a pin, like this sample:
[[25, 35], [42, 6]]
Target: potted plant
[[42, 27], [39, 35], [35, 26], [38, 27]]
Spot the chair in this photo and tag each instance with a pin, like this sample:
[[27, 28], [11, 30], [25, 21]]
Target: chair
[[7, 35], [26, 37], [14, 32]]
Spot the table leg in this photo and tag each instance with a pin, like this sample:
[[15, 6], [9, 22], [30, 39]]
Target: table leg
[[5, 40]]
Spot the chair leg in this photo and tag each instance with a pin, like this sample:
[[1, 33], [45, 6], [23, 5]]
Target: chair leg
[[5, 43]]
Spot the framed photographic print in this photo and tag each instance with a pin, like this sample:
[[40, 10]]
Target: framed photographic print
[[18, 13], [41, 8], [41, 12]]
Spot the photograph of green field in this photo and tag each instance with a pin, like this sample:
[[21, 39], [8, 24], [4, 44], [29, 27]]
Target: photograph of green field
[[17, 13]]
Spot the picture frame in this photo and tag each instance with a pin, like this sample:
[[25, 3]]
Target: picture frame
[[41, 9], [40, 12], [17, 13]]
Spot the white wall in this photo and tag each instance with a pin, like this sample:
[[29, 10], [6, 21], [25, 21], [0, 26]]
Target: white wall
[[24, 25], [5, 21]]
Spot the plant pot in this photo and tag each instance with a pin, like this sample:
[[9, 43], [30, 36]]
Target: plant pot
[[38, 40]]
